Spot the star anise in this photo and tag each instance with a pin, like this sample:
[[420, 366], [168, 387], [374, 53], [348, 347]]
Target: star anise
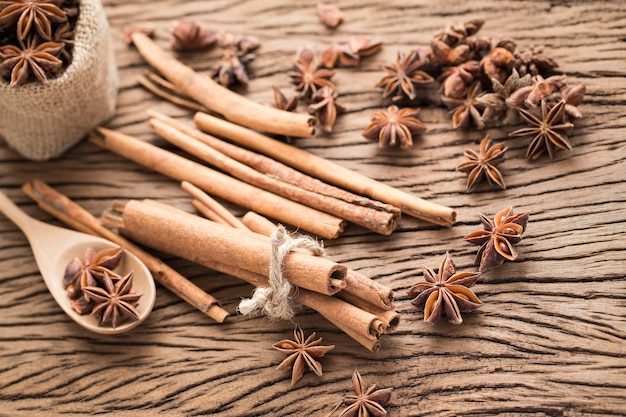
[[453, 34], [302, 352], [308, 78], [483, 165], [189, 35], [456, 80], [31, 15], [534, 61], [64, 34], [445, 292], [466, 111], [549, 131], [444, 54], [370, 402], [80, 274], [231, 69], [34, 58], [330, 14], [498, 238], [502, 104], [393, 127], [325, 108], [116, 301], [403, 76]]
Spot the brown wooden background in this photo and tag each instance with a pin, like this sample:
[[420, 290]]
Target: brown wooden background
[[550, 339]]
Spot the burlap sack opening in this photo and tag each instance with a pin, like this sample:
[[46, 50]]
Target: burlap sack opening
[[43, 121]]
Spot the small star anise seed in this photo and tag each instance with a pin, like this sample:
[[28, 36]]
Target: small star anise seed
[[301, 353]]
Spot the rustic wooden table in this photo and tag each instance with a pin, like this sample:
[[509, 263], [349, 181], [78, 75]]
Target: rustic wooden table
[[550, 338]]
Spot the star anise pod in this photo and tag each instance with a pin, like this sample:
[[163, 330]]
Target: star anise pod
[[483, 165], [189, 35], [548, 131], [38, 59], [466, 111], [325, 108], [545, 88], [403, 76], [64, 34], [445, 292], [330, 14], [497, 64], [502, 105], [370, 402], [302, 353], [534, 61], [444, 54], [456, 80], [394, 127], [231, 69], [281, 102], [308, 78], [31, 16], [573, 97], [498, 238], [80, 274], [116, 301], [453, 34]]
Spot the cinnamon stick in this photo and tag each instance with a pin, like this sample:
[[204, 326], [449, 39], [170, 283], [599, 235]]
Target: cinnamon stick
[[327, 170], [214, 206], [200, 240], [220, 99], [77, 217], [375, 294], [272, 167], [383, 222], [220, 185]]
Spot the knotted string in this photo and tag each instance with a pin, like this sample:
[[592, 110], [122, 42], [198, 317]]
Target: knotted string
[[275, 300]]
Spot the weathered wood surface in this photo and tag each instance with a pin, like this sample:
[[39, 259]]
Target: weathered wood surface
[[550, 339]]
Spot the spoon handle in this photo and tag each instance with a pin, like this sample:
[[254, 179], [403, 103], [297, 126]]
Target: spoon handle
[[16, 214]]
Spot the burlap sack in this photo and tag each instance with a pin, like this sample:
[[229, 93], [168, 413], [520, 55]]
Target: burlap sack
[[43, 121]]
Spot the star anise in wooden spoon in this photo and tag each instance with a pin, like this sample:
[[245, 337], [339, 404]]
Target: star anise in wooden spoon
[[445, 292], [498, 238], [302, 353], [116, 301], [79, 274]]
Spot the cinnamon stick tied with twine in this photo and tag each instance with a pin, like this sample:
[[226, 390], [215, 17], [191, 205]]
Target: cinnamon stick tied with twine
[[220, 99], [199, 240], [220, 185], [360, 291], [378, 295], [80, 219], [380, 221], [327, 170]]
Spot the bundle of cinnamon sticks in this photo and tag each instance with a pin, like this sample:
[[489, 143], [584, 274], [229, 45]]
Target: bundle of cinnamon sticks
[[356, 304]]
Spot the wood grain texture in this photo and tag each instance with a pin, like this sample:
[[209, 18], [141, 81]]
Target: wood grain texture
[[550, 339]]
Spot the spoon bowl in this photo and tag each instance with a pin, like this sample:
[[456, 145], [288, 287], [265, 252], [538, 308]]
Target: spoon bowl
[[54, 247]]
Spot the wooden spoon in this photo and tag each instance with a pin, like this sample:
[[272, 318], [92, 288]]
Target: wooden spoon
[[54, 247]]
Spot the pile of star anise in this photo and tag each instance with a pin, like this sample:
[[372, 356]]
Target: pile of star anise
[[36, 39], [95, 288], [488, 82]]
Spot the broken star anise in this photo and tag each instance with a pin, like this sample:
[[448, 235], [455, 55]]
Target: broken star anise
[[466, 111], [403, 76], [116, 301], [498, 238], [483, 165], [189, 35], [325, 108], [34, 58], [370, 402], [549, 130], [301, 353], [445, 292], [394, 126]]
